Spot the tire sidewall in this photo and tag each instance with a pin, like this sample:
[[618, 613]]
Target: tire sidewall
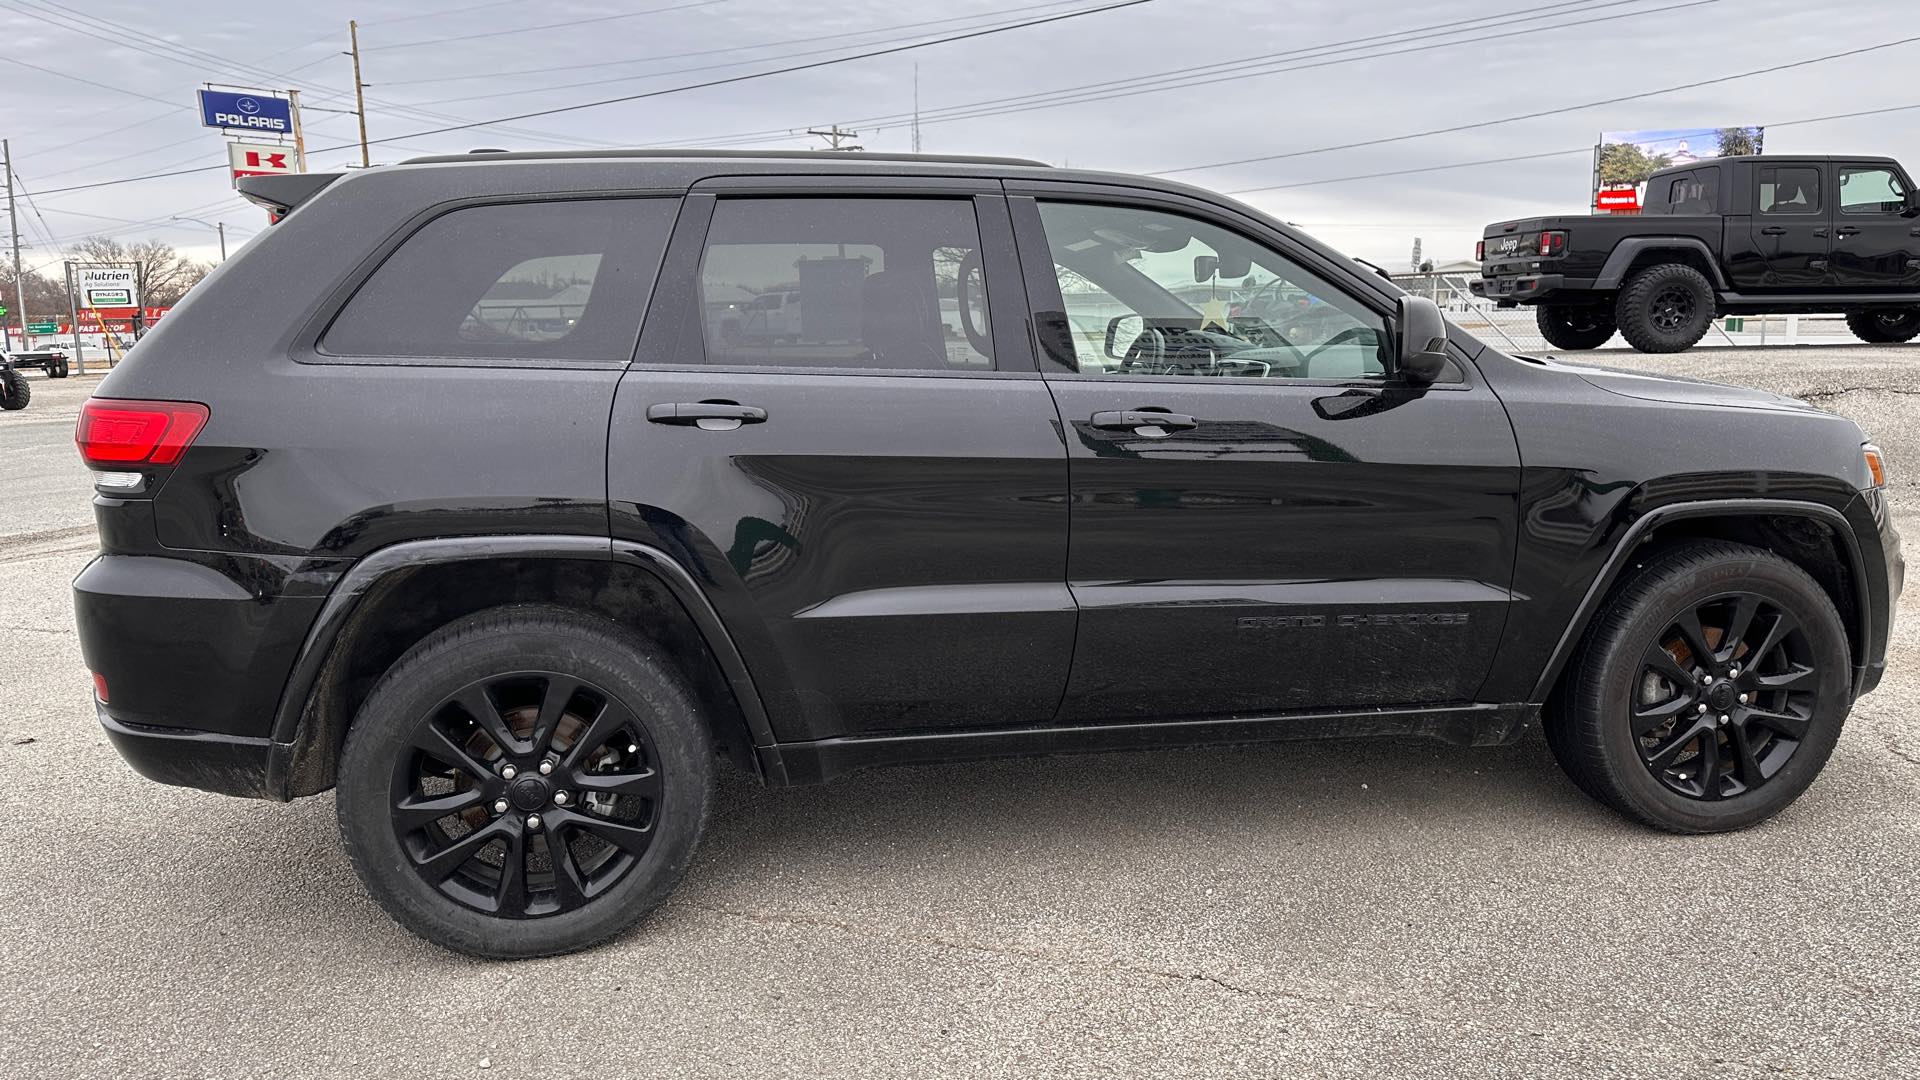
[[1788, 589], [1634, 314], [1556, 325], [425, 677]]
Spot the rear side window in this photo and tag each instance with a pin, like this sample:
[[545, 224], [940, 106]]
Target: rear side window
[[1789, 189], [845, 283], [1695, 193], [557, 281]]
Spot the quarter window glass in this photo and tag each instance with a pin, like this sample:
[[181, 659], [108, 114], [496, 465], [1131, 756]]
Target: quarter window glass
[[846, 283], [1694, 193], [1789, 189], [537, 281], [1871, 191], [1148, 293]]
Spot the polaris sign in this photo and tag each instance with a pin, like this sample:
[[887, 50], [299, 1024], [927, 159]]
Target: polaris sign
[[246, 112]]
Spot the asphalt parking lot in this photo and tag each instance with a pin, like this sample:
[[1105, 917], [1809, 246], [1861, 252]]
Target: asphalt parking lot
[[1356, 909]]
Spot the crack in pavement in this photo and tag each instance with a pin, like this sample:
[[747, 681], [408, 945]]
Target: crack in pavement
[[774, 918], [1813, 396]]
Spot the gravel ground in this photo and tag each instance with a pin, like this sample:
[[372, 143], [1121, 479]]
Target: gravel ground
[[1391, 908]]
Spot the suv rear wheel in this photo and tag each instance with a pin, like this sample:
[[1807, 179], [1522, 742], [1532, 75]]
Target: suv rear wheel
[[1885, 327], [1708, 693], [1575, 326], [1665, 308], [525, 781]]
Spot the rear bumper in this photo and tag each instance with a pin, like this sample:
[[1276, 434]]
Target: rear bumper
[[210, 761], [1525, 288]]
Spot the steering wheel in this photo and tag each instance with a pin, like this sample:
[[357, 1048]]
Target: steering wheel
[[969, 268], [1147, 350]]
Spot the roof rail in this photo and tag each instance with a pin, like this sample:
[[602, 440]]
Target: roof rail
[[694, 153]]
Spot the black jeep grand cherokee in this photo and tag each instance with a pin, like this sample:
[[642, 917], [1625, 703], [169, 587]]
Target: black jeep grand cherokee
[[509, 493]]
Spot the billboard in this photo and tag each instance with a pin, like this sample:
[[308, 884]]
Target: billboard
[[1624, 159], [246, 111], [260, 159], [107, 286]]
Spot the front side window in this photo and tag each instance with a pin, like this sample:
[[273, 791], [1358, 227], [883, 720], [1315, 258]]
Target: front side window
[[1871, 191], [1150, 293], [556, 281], [1789, 189], [845, 283]]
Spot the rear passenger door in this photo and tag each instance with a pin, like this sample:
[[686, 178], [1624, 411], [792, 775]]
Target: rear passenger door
[[1791, 226], [866, 475]]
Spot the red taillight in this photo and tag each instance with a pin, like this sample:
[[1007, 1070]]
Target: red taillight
[[1553, 243], [100, 687], [1480, 251], [137, 432]]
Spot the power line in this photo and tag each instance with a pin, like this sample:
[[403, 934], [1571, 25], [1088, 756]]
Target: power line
[[1542, 112], [546, 26]]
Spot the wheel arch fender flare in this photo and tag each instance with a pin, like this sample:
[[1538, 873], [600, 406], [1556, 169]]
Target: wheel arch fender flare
[[1622, 554], [360, 580], [1614, 272]]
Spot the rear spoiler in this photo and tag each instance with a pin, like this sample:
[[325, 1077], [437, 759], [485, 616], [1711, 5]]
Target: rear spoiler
[[280, 194]]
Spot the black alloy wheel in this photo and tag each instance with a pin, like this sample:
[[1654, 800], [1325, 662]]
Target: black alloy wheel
[[1726, 694], [1672, 309], [526, 794], [1665, 308], [1885, 326]]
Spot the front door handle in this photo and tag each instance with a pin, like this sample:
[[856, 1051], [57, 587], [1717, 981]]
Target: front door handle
[[1134, 419], [1773, 230], [1846, 230], [708, 415], [1820, 232]]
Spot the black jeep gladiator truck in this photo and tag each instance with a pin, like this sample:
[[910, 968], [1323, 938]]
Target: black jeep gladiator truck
[[1734, 236], [1026, 476]]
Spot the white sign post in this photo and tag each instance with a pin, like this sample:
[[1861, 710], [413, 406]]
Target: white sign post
[[107, 287]]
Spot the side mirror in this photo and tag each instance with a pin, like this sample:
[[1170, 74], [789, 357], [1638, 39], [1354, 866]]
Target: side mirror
[[1913, 205], [1123, 328], [1421, 333], [1205, 266]]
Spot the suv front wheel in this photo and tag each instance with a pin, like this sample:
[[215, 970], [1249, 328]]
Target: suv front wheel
[[525, 781], [1708, 692], [1665, 308]]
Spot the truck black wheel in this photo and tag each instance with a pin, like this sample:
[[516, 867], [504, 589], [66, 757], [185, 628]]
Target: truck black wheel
[[1665, 308], [1707, 693], [1575, 326], [15, 391], [56, 369], [524, 781], [1885, 327]]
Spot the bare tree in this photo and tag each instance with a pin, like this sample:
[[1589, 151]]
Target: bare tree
[[162, 273], [45, 296]]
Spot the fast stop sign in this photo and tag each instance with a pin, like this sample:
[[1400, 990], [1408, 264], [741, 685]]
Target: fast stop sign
[[261, 159]]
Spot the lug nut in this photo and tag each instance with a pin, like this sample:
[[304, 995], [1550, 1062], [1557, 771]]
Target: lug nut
[[1743, 699], [1700, 708], [1704, 677], [559, 798], [509, 772], [499, 806], [546, 767], [533, 821], [632, 748], [1724, 718], [1734, 674]]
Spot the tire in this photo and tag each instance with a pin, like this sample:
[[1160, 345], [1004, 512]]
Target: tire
[[15, 391], [57, 369], [626, 843], [1575, 326], [1594, 717], [1665, 308], [1885, 327]]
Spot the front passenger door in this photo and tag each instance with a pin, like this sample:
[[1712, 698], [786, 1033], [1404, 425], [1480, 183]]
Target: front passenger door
[[1264, 516], [1874, 241]]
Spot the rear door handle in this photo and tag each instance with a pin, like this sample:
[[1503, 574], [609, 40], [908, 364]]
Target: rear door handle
[[1133, 419], [1773, 230], [1846, 230], [708, 415]]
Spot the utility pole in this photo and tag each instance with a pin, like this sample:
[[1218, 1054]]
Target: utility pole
[[359, 91], [299, 138], [13, 226], [833, 135]]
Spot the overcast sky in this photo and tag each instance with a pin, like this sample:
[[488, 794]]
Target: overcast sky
[[110, 92]]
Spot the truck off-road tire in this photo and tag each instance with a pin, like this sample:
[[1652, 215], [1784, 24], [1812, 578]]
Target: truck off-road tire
[[15, 391], [1708, 691], [1665, 308], [1575, 326], [56, 369], [1885, 327], [524, 781]]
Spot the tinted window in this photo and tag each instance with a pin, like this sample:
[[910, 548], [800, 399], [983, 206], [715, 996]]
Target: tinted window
[[1871, 191], [856, 283], [1789, 189], [1150, 293], [1695, 193], [538, 281]]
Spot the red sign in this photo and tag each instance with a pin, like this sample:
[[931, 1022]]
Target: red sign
[[261, 159], [1618, 200]]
